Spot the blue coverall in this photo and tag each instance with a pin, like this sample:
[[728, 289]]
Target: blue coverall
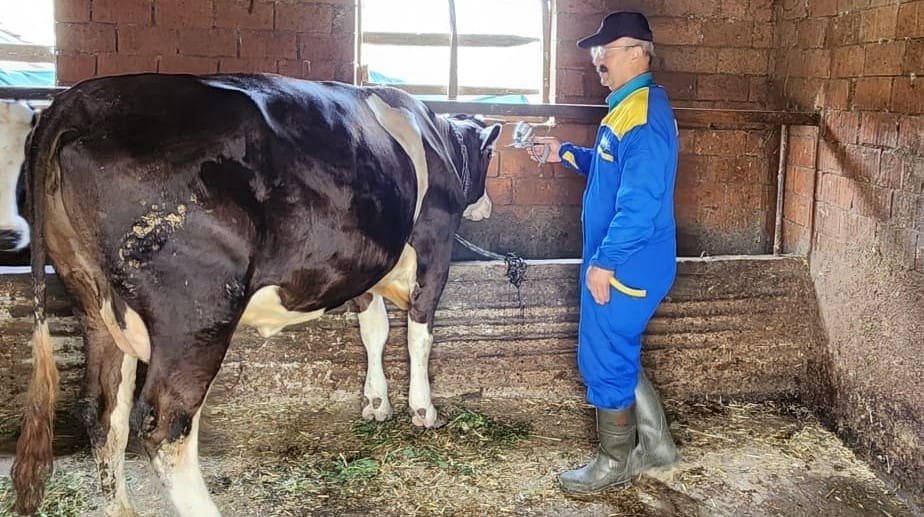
[[629, 228]]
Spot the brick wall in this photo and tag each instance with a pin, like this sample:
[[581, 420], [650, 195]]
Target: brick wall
[[710, 54], [311, 39], [860, 62]]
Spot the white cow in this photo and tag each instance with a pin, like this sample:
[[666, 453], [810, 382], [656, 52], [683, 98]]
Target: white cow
[[15, 123]]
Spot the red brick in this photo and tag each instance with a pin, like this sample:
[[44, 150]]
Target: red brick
[[846, 6], [801, 151], [844, 194], [743, 61], [679, 86], [71, 69], [827, 189], [304, 17], [316, 48], [884, 58], [233, 65], [88, 38], [843, 30], [837, 94], [872, 93], [723, 87], [890, 170], [829, 221], [691, 169], [135, 39], [879, 129], [517, 163], [862, 162], [115, 64], [797, 209], [818, 8], [207, 42], [727, 33], [811, 32], [500, 190], [847, 61], [795, 239], [324, 70], [688, 59], [911, 133], [910, 20], [818, 63], [793, 9], [907, 96], [919, 254], [758, 90], [913, 62], [842, 126], [692, 8], [184, 14], [343, 21], [187, 65], [123, 11], [904, 209], [879, 23], [560, 191], [260, 44], [762, 35], [299, 68], [72, 11], [244, 14], [913, 175], [758, 143], [580, 6], [759, 10], [676, 31]]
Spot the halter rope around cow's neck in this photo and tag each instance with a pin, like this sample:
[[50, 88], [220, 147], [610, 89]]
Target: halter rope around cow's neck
[[464, 174]]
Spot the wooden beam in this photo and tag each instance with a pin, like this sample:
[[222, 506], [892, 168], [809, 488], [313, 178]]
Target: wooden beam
[[26, 53], [442, 40], [585, 113]]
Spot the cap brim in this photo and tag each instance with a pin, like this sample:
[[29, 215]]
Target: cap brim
[[594, 40]]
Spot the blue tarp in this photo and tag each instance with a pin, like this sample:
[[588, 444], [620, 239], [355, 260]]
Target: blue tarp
[[39, 78]]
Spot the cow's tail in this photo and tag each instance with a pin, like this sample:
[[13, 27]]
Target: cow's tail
[[34, 460]]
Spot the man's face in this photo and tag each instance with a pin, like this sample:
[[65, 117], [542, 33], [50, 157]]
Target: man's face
[[616, 62]]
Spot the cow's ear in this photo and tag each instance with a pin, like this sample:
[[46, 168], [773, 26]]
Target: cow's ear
[[489, 135]]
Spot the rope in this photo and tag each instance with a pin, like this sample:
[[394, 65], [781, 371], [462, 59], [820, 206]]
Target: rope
[[516, 265]]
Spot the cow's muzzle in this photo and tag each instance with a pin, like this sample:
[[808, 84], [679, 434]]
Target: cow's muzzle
[[480, 209]]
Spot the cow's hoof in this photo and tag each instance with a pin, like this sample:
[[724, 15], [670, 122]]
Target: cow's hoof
[[378, 409], [427, 418]]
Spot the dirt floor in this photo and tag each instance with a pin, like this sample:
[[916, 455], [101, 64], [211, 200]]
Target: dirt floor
[[497, 458]]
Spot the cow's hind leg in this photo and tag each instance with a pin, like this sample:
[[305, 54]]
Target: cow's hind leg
[[167, 414], [106, 403], [373, 327]]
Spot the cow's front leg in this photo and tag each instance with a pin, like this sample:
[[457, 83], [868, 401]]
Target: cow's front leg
[[432, 272], [373, 327], [419, 341]]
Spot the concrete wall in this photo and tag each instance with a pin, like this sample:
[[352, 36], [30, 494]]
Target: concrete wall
[[737, 328], [862, 210]]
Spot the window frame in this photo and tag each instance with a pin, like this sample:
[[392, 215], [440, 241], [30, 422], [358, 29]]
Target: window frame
[[454, 40]]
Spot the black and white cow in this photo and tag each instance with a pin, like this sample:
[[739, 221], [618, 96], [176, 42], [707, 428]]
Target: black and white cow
[[175, 207], [15, 123]]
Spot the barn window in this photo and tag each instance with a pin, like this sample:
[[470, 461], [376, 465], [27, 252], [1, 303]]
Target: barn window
[[27, 38], [466, 50]]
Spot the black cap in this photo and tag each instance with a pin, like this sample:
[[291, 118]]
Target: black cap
[[619, 25]]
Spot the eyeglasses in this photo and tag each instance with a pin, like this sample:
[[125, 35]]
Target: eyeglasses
[[599, 52]]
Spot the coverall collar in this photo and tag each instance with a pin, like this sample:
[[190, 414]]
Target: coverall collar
[[639, 81]]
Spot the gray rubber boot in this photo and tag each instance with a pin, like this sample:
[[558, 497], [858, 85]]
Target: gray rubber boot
[[616, 429], [655, 445]]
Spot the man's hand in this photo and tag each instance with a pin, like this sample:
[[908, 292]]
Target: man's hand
[[598, 282], [539, 143]]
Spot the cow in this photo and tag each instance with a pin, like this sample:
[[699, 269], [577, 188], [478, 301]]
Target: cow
[[176, 207], [15, 123]]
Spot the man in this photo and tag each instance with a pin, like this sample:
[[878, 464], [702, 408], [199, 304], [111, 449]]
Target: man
[[629, 253]]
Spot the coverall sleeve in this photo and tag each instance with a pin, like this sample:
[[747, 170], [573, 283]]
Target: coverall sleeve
[[639, 198], [575, 157]]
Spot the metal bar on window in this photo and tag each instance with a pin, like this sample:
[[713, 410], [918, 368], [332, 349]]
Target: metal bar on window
[[453, 52], [26, 53], [546, 49], [436, 89]]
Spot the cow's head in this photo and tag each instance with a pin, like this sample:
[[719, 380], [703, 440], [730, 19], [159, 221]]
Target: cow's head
[[15, 124], [476, 140]]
